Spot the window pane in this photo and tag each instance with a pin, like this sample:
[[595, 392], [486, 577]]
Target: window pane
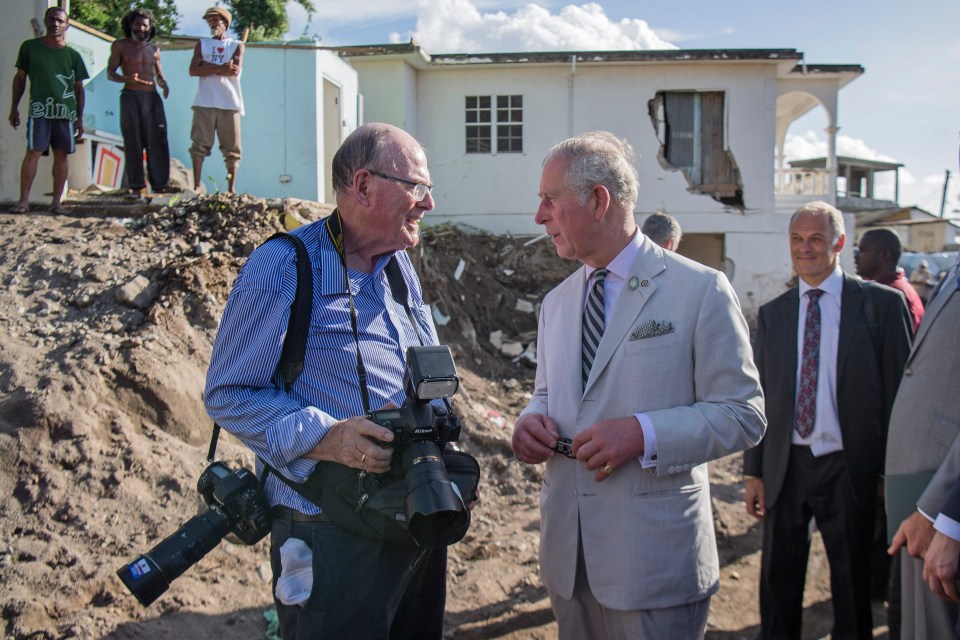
[[478, 139], [509, 138], [509, 124], [478, 135], [679, 113]]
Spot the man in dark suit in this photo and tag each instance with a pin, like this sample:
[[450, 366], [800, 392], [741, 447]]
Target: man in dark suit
[[830, 352]]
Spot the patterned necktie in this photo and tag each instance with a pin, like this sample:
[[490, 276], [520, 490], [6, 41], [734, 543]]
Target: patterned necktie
[[593, 322], [809, 367]]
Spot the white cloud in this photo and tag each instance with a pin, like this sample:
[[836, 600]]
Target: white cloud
[[446, 26], [804, 146], [924, 193], [338, 13], [811, 145]]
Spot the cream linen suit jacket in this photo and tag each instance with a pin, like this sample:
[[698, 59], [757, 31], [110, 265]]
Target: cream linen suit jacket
[[677, 348]]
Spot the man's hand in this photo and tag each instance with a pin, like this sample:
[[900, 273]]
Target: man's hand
[[915, 532], [609, 442], [14, 118], [77, 129], [534, 438], [754, 497], [351, 442], [940, 566]]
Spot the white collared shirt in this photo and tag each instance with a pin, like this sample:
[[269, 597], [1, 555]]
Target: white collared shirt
[[618, 273], [826, 436]]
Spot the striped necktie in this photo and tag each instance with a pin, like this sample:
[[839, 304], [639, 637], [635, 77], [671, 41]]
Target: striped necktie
[[593, 320]]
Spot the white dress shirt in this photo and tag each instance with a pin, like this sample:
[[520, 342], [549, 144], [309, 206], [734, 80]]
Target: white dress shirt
[[825, 437]]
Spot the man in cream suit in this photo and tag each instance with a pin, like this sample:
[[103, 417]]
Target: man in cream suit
[[656, 382], [925, 438]]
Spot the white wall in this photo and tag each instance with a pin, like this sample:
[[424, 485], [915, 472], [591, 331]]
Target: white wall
[[389, 89], [499, 192]]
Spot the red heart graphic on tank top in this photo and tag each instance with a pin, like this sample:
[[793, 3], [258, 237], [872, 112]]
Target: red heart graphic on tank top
[[219, 49]]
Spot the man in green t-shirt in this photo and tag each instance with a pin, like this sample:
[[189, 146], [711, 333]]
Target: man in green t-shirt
[[55, 118]]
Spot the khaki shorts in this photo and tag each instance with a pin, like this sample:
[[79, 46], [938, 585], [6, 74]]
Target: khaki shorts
[[226, 124]]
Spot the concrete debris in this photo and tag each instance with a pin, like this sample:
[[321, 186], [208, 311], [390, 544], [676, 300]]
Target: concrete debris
[[511, 349], [138, 293], [438, 318], [524, 306]]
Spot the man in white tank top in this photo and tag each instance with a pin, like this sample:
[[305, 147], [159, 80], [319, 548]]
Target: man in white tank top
[[217, 62]]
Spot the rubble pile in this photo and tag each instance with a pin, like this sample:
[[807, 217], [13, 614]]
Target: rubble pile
[[108, 322], [108, 317]]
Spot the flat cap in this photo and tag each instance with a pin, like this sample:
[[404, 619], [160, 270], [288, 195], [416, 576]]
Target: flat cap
[[218, 11]]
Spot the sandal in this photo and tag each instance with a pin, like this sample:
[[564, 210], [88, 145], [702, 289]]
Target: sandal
[[20, 208], [57, 209]]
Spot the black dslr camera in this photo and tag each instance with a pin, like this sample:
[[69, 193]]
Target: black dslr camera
[[434, 506], [237, 505]]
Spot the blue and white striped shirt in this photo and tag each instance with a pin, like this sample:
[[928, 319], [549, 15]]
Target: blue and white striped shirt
[[244, 392]]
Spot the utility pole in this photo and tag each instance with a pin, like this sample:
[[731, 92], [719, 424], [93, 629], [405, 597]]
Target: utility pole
[[943, 197]]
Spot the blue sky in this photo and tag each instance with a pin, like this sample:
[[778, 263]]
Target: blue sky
[[905, 108]]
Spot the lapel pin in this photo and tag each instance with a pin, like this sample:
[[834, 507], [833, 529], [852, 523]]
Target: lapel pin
[[644, 283], [634, 283]]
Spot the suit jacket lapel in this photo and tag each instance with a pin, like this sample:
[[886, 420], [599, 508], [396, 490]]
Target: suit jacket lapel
[[788, 346], [851, 302], [569, 328], [645, 268]]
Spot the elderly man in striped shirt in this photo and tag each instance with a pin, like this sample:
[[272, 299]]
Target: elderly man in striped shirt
[[360, 587]]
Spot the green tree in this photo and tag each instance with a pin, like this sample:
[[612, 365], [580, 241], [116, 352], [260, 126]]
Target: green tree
[[105, 15], [267, 19]]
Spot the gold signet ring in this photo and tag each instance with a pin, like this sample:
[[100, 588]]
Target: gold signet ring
[[607, 469]]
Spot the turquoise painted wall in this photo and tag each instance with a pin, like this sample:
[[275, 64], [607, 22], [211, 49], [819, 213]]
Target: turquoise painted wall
[[281, 132]]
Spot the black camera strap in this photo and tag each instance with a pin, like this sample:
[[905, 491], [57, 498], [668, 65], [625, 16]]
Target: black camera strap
[[295, 342]]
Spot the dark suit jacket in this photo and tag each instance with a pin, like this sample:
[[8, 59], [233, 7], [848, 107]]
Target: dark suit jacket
[[874, 342]]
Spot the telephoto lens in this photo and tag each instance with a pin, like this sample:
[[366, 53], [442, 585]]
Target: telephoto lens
[[148, 576], [436, 515]]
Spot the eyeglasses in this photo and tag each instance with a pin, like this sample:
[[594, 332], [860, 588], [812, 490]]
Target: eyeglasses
[[420, 189]]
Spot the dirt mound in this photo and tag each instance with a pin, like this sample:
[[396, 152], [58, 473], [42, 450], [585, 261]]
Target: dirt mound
[[108, 320]]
